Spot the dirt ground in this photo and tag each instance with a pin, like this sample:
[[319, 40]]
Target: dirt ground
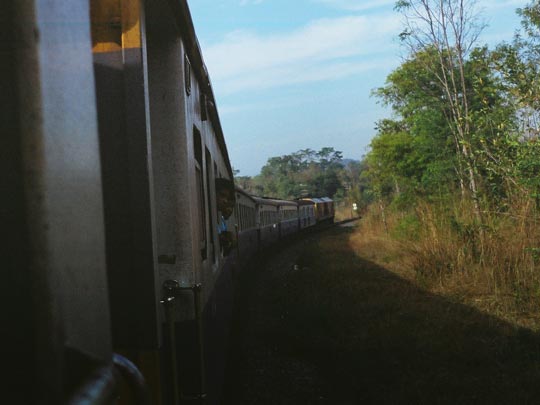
[[316, 323]]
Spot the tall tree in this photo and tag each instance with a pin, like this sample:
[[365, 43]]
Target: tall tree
[[449, 29]]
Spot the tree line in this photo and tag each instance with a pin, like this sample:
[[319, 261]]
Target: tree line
[[305, 173]]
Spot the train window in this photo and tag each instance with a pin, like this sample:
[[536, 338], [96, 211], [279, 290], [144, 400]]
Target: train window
[[204, 115], [239, 217], [197, 146], [210, 207], [200, 203], [187, 74], [244, 216]]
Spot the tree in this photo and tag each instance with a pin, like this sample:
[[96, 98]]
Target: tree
[[302, 173], [518, 63], [448, 29]]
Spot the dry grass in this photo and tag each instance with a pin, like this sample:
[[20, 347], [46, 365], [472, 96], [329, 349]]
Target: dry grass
[[343, 211], [495, 268], [351, 320], [377, 335]]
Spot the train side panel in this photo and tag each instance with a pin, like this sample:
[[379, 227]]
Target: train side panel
[[267, 222], [324, 209], [246, 226], [151, 74], [306, 211], [288, 218]]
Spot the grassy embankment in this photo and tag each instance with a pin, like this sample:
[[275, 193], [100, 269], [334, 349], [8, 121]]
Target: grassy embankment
[[403, 316], [443, 251], [390, 320]]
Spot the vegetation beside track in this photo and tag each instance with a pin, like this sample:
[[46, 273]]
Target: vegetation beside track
[[450, 183], [338, 328]]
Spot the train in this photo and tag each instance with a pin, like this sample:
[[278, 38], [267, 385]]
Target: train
[[125, 229]]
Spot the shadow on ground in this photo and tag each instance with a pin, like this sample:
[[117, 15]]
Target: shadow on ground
[[343, 330]]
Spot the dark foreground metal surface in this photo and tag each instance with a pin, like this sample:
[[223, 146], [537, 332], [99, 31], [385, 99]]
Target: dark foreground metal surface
[[103, 386]]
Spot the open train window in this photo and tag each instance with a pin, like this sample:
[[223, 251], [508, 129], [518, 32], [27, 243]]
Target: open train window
[[197, 151]]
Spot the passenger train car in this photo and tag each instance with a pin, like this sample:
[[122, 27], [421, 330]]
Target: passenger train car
[[324, 209], [124, 223]]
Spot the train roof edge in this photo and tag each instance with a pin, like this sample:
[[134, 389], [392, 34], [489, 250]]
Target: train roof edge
[[185, 25]]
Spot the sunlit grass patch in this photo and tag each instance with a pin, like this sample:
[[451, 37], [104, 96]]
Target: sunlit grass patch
[[497, 273]]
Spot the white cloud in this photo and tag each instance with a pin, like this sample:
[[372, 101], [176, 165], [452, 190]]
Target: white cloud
[[325, 49], [289, 75], [356, 5]]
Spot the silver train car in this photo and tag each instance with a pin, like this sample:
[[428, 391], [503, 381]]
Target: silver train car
[[124, 223]]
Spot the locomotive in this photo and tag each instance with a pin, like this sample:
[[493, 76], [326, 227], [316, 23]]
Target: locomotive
[[125, 226]]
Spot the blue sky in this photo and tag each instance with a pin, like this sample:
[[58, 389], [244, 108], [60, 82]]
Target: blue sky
[[296, 74]]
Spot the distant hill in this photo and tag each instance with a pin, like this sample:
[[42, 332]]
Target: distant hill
[[345, 162]]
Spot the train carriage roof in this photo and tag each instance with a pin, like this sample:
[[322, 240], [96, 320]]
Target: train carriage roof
[[274, 202], [184, 22], [285, 203], [319, 200], [240, 190]]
